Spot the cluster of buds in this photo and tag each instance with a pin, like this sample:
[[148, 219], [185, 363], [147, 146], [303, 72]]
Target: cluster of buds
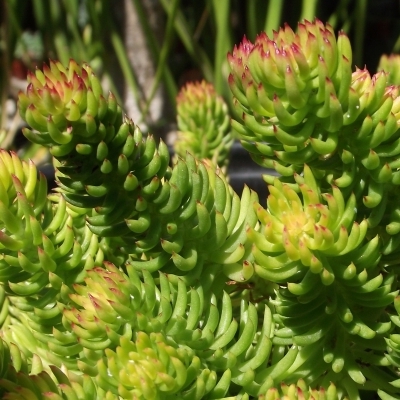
[[297, 233], [328, 270], [203, 124], [67, 104]]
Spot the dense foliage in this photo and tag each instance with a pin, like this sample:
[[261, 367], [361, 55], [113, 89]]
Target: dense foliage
[[138, 278]]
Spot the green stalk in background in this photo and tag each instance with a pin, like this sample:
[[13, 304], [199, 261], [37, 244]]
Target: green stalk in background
[[274, 15], [196, 52], [341, 16], [308, 10], [223, 43], [169, 81], [124, 63], [5, 63], [163, 56], [359, 24]]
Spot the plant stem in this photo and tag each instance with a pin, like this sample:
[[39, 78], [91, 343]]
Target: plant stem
[[251, 14], [72, 11], [396, 47], [5, 63], [155, 50], [360, 15], [274, 15], [340, 14], [223, 42], [308, 10], [194, 50], [162, 64]]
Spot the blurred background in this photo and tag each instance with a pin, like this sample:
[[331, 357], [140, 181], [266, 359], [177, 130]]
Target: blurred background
[[145, 50]]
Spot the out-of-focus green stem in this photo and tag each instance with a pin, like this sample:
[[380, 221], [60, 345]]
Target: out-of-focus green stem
[[125, 65], [360, 15], [223, 42], [151, 40], [308, 10], [162, 61], [4, 66], [154, 48], [11, 16], [195, 51], [251, 19], [48, 19], [41, 8], [60, 39], [340, 14], [96, 15], [72, 10], [274, 15], [396, 47]]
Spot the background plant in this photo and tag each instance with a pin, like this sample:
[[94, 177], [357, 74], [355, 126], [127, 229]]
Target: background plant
[[203, 124]]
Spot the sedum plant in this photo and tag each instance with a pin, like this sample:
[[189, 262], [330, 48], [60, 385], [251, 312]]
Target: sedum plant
[[142, 278], [203, 124]]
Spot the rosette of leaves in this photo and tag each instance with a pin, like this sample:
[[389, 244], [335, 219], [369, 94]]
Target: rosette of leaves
[[298, 102], [66, 385], [41, 237], [154, 337], [333, 293], [175, 218], [44, 245], [203, 124], [59, 385], [43, 241]]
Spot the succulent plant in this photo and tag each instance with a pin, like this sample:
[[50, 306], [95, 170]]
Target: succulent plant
[[298, 102], [40, 233], [203, 124], [105, 161], [141, 279], [45, 249]]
